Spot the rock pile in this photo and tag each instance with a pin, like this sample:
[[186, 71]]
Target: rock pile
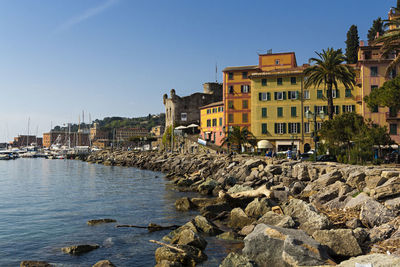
[[314, 213]]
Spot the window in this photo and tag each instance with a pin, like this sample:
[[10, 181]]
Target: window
[[208, 123], [230, 118], [245, 104], [293, 111], [264, 128], [264, 112], [293, 80], [215, 110], [294, 127], [244, 117], [306, 94], [318, 109], [231, 91], [279, 81], [392, 112], [319, 126], [319, 94], [306, 108], [374, 71], [307, 127], [335, 93], [209, 111], [393, 129], [230, 104], [214, 122], [264, 96], [277, 62], [367, 55], [245, 88], [183, 116], [279, 111], [348, 108], [219, 109], [336, 109], [373, 87], [230, 76], [279, 95], [263, 82], [244, 75], [347, 93], [293, 94], [280, 128], [375, 109], [220, 121], [392, 74]]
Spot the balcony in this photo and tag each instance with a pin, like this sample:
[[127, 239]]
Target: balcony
[[391, 116]]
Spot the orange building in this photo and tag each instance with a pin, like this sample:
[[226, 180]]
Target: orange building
[[212, 122], [236, 86]]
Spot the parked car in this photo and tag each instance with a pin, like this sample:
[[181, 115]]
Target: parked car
[[325, 158]]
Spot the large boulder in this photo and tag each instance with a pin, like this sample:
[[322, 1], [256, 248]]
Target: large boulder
[[272, 218], [184, 204], [190, 257], [104, 263], [306, 215], [35, 264], [236, 260], [238, 219], [375, 260], [207, 187], [258, 208], [79, 249], [206, 226], [165, 263], [171, 235], [238, 188], [280, 247], [373, 213], [390, 188], [356, 179], [341, 241], [300, 171], [189, 237]]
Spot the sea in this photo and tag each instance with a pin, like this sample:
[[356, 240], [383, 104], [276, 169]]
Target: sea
[[45, 205]]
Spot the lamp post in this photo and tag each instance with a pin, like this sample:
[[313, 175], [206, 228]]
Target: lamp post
[[313, 115]]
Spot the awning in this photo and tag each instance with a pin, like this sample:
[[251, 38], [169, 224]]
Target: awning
[[180, 128], [264, 144], [193, 126]]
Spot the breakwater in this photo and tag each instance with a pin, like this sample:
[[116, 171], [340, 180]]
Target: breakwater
[[287, 213]]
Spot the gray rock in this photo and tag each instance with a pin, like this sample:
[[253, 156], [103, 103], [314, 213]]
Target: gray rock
[[247, 229], [374, 181], [165, 263], [280, 220], [356, 179], [238, 188], [251, 163], [184, 204], [300, 171], [230, 236], [328, 178], [104, 263], [171, 235], [358, 201], [390, 174], [79, 249], [310, 220], [373, 213], [100, 221], [191, 257], [381, 232], [390, 188], [236, 260], [258, 208], [323, 196], [393, 204], [376, 260], [341, 241], [276, 246], [206, 226], [207, 186], [189, 237], [35, 264], [238, 219]]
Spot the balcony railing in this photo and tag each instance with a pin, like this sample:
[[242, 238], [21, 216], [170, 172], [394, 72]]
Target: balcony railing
[[391, 116]]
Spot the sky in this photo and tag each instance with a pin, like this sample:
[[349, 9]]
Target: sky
[[118, 57]]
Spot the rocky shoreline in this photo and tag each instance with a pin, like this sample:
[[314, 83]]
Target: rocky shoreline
[[287, 213]]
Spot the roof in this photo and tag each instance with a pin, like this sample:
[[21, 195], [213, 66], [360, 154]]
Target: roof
[[219, 103], [252, 67], [282, 72]]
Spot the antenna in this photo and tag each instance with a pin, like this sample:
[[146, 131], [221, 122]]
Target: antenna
[[216, 72]]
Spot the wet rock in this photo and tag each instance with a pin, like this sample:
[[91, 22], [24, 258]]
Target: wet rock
[[104, 263], [35, 264], [238, 219], [373, 213], [189, 237], [376, 260], [276, 246], [207, 187], [341, 241], [389, 189], [308, 217], [165, 263], [280, 220], [206, 226], [257, 208], [184, 204], [100, 221], [237, 260], [191, 257], [230, 236], [171, 235], [203, 202], [79, 249]]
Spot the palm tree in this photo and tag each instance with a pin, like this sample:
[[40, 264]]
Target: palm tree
[[330, 70], [390, 40], [238, 137]]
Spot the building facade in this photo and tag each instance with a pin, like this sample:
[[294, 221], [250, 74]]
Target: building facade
[[212, 123], [27, 140], [185, 110], [157, 131], [123, 134], [96, 133], [66, 139]]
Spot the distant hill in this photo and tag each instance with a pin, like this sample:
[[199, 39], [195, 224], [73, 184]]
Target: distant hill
[[109, 123]]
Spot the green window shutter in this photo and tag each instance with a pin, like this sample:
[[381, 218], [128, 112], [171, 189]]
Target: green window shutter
[[268, 96], [337, 109], [353, 108], [347, 93], [276, 128], [325, 109], [289, 127], [297, 94], [275, 93], [280, 111], [284, 95], [263, 128], [293, 111], [259, 96], [298, 127], [263, 82], [264, 112], [319, 94], [337, 93], [284, 128], [343, 108], [220, 121], [315, 109]]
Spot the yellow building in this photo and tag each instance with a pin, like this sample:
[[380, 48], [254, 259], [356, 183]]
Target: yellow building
[[212, 122], [279, 102]]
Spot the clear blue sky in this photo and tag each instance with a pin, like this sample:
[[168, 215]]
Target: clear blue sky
[[118, 57]]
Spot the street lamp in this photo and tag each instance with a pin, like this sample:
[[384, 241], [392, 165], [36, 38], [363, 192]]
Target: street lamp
[[313, 115]]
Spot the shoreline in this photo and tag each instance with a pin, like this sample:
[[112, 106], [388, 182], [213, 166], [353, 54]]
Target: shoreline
[[325, 202]]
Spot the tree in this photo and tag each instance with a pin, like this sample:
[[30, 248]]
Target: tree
[[386, 96], [329, 70], [352, 44], [377, 27], [239, 137]]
